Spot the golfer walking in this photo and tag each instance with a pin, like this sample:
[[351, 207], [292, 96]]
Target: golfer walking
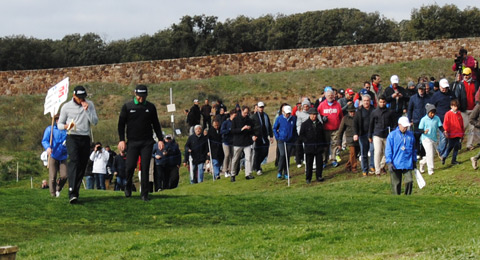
[[77, 116], [139, 117]]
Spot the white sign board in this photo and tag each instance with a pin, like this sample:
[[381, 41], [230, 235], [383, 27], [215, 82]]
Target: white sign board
[[56, 95], [171, 108]]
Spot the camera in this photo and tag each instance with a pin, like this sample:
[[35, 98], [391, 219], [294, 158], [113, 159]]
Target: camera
[[459, 62]]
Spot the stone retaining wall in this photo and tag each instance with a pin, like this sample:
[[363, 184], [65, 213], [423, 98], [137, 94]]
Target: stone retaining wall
[[148, 72]]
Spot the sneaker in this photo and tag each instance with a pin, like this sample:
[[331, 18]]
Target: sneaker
[[259, 172], [321, 179], [232, 178], [365, 174], [422, 166], [430, 173], [324, 165], [227, 175], [279, 176], [57, 194], [145, 198], [443, 160], [249, 177], [372, 171], [474, 163], [456, 162], [309, 181], [73, 200], [217, 178], [286, 176], [299, 166], [334, 164]]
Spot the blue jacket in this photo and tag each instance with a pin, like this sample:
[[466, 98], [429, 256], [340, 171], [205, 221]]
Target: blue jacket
[[59, 149], [416, 108], [400, 150], [225, 131], [170, 155], [285, 129]]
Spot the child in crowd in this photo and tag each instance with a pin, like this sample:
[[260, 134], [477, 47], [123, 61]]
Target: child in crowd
[[454, 129], [346, 126], [429, 124]]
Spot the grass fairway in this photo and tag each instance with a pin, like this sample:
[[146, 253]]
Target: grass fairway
[[347, 217]]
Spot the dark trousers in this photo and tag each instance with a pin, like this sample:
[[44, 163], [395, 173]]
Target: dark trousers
[[283, 158], [309, 157], [159, 177], [78, 150], [207, 122], [261, 151], [144, 150], [396, 179], [452, 144], [299, 152]]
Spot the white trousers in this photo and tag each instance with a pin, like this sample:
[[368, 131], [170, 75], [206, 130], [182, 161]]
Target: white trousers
[[379, 153], [430, 148]]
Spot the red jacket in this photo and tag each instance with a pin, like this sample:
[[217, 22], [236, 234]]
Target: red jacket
[[333, 113], [453, 124]]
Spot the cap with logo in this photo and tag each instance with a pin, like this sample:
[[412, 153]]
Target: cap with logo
[[80, 92], [394, 79], [287, 109], [260, 104], [141, 91]]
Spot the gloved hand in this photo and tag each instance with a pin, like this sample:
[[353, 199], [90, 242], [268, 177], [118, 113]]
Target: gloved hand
[[324, 119], [391, 168]]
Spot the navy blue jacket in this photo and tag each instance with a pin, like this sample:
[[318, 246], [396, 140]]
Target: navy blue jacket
[[416, 108], [442, 102]]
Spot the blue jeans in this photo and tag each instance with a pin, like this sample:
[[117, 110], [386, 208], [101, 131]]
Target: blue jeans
[[442, 143], [365, 147], [121, 182], [216, 167], [100, 181], [90, 182], [198, 172]]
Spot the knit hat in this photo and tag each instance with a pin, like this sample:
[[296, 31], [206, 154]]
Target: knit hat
[[429, 107]]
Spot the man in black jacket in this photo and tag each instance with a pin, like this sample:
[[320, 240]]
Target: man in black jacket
[[139, 117], [361, 123], [397, 99], [215, 148], [378, 130], [193, 116], [263, 136], [313, 139], [197, 148], [242, 130]]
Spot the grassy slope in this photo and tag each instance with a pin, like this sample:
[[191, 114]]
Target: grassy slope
[[347, 217]]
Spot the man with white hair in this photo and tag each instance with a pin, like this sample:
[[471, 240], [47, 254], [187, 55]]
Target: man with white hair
[[361, 122], [330, 113], [401, 156]]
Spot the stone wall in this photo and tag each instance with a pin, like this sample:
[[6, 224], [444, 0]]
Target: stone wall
[[38, 81]]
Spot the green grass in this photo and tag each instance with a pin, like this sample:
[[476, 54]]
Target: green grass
[[347, 217]]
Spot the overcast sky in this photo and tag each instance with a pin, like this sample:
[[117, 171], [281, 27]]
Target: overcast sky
[[124, 19]]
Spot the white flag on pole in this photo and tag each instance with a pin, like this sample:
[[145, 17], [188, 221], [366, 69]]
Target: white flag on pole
[[56, 95]]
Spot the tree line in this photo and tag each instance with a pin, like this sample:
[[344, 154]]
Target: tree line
[[201, 35]]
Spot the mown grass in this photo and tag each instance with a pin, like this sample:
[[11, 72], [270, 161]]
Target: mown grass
[[347, 217]]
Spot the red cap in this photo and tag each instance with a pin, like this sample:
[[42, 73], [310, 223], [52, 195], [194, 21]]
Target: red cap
[[349, 91]]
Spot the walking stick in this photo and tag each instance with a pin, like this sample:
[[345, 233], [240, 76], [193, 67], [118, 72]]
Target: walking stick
[[286, 163], [211, 160]]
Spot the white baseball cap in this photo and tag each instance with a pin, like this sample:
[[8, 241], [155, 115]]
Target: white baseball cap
[[394, 79], [404, 121], [260, 104], [287, 109], [444, 83]]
